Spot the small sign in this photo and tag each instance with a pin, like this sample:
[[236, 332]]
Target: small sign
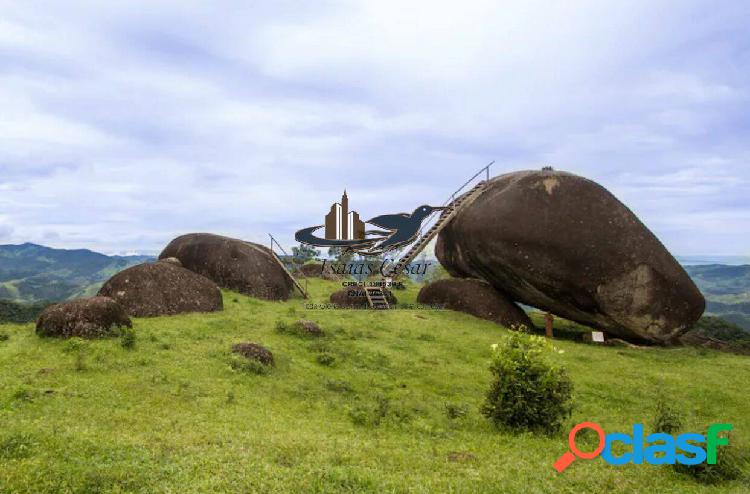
[[597, 337]]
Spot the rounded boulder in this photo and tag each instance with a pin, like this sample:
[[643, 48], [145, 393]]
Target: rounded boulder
[[161, 289], [95, 317], [474, 297], [233, 264], [564, 244]]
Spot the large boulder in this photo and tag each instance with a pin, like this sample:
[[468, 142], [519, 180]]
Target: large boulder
[[162, 288], [95, 317], [474, 297], [234, 264], [564, 244]]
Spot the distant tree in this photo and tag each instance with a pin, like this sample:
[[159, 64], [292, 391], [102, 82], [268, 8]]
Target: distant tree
[[340, 254], [304, 253]]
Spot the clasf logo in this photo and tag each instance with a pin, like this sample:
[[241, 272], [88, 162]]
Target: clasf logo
[[657, 449]]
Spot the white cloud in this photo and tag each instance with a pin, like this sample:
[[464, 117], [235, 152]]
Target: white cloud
[[126, 125]]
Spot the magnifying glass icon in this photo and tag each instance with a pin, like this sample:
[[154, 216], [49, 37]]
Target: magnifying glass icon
[[568, 457]]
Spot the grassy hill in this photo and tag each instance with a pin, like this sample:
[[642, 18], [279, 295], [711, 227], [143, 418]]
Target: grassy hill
[[33, 273], [396, 411]]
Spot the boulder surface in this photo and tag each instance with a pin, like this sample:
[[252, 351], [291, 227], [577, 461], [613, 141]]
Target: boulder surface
[[95, 317], [162, 288], [564, 244], [234, 264], [474, 297]]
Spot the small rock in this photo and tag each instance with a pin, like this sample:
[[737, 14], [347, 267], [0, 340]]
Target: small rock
[[309, 328], [254, 351], [171, 260]]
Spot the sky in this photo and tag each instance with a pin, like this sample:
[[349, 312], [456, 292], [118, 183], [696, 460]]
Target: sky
[[123, 126]]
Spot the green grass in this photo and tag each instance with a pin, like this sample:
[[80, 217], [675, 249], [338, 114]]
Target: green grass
[[396, 408]]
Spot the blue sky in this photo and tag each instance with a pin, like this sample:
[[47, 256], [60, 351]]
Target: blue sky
[[124, 126]]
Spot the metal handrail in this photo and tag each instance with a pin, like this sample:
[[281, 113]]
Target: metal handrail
[[274, 241], [452, 197]]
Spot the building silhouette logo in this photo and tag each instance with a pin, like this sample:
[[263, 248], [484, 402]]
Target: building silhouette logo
[[342, 224], [344, 229]]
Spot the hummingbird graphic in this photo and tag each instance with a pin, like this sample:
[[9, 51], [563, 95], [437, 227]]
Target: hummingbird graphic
[[397, 230]]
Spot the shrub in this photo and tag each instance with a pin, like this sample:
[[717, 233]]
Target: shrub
[[338, 386], [527, 393], [370, 414], [4, 336], [326, 358], [127, 338], [455, 411], [667, 419], [732, 462]]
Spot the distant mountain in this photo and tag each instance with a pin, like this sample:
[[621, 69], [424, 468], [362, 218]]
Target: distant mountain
[[727, 291], [33, 273]]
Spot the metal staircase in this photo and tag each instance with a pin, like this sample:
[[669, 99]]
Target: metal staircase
[[376, 297], [448, 214]]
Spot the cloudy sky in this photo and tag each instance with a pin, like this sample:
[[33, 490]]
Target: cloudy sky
[[122, 127]]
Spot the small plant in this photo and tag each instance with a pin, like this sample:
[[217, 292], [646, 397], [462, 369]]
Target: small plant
[[732, 462], [455, 411], [326, 358], [667, 419], [231, 398], [528, 393], [79, 364], [23, 394], [127, 338], [338, 386], [4, 336], [74, 345], [250, 366], [16, 446], [281, 326], [371, 414]]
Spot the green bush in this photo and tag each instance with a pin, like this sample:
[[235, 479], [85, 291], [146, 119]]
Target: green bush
[[667, 419], [325, 358], [732, 463], [528, 393], [127, 338]]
